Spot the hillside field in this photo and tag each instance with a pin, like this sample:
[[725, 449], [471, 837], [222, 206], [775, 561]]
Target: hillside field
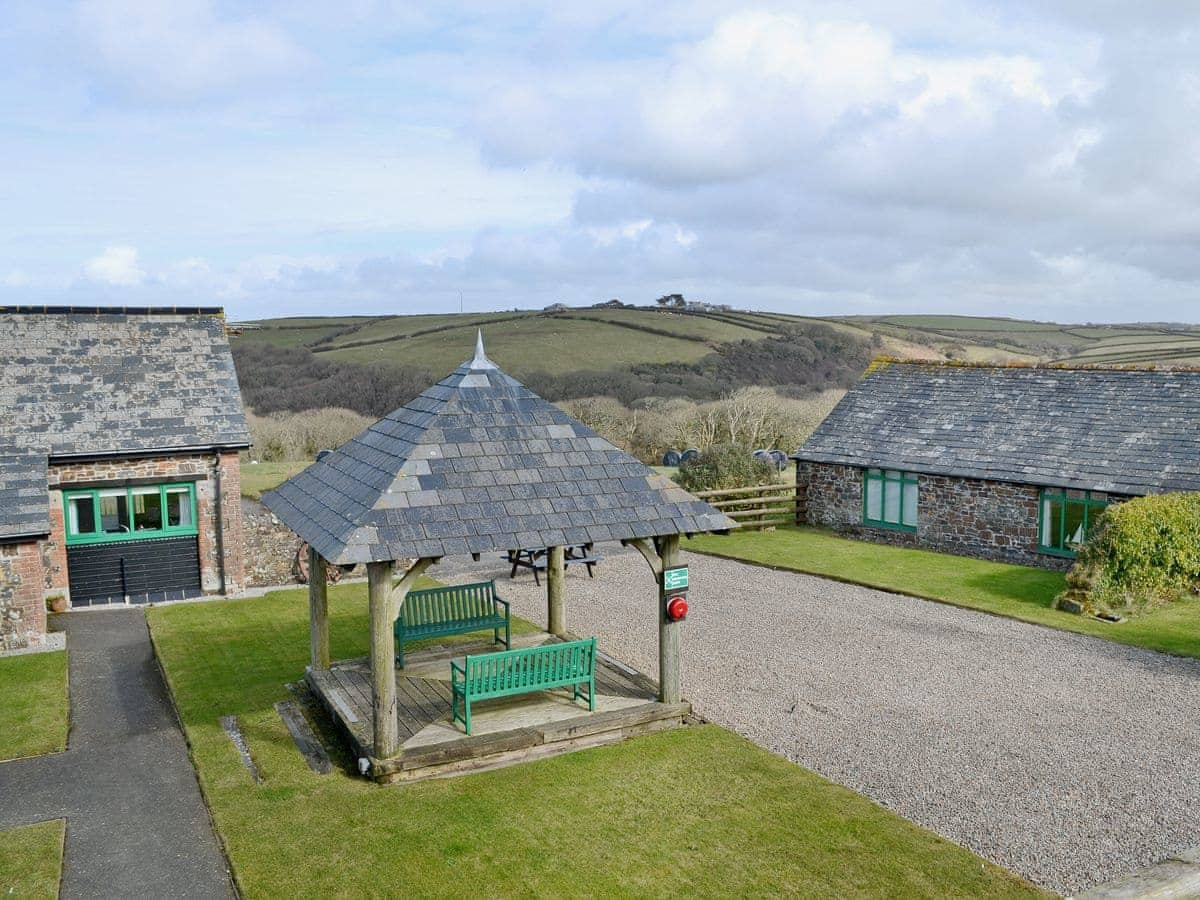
[[523, 342]]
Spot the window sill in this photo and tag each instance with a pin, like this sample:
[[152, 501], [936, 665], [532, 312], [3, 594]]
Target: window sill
[[129, 536], [888, 526], [1061, 554]]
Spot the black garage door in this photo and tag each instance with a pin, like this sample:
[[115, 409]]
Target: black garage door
[[145, 571]]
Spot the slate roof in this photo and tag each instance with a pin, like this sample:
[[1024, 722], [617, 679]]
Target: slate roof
[[1122, 431], [479, 463], [96, 382], [103, 382], [24, 496]]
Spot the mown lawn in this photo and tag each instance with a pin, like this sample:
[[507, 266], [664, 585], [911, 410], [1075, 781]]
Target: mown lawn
[[31, 860], [33, 714], [1019, 592], [696, 812], [261, 477]]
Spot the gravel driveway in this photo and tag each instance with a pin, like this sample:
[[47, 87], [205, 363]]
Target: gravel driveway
[[1068, 759]]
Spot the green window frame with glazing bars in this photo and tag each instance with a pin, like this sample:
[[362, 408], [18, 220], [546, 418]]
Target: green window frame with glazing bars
[[1076, 512], [890, 499], [131, 513]]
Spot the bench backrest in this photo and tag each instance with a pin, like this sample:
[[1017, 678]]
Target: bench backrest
[[454, 603], [530, 666]]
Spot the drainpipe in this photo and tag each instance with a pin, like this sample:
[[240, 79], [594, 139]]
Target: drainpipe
[[220, 521]]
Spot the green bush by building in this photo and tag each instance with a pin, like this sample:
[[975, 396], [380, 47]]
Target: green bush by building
[[1145, 553]]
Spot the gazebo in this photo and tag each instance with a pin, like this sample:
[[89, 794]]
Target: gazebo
[[475, 464]]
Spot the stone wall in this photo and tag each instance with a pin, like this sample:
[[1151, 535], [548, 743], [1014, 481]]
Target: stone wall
[[22, 607], [970, 517], [218, 510], [270, 547]]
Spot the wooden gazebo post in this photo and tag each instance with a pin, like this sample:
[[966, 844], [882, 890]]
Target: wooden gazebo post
[[556, 619], [384, 603], [318, 611], [663, 553]]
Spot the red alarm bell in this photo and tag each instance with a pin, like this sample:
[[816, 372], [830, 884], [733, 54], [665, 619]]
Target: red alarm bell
[[677, 608]]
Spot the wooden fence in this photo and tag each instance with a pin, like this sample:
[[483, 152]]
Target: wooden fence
[[756, 508]]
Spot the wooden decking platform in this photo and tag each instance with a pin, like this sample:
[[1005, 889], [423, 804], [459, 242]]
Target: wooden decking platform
[[506, 731]]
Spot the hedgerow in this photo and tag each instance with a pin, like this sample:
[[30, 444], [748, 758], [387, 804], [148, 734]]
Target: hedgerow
[[1143, 554]]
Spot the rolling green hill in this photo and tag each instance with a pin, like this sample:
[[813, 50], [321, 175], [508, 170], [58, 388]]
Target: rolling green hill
[[556, 343], [965, 337], [375, 363], [528, 342]]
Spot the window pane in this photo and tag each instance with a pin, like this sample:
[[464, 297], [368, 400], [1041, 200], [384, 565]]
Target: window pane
[[874, 499], [179, 508], [114, 513], [1074, 531], [1095, 511], [891, 502], [1051, 521], [910, 505], [82, 515], [147, 509]]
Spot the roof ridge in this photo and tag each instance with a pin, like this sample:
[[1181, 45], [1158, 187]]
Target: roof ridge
[[884, 361], [29, 310]]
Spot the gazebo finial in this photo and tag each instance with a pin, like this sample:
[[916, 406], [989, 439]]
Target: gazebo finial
[[481, 361]]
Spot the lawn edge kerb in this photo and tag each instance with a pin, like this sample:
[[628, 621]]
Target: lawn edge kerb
[[916, 595], [238, 887]]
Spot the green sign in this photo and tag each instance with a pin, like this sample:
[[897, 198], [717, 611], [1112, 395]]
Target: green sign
[[675, 579]]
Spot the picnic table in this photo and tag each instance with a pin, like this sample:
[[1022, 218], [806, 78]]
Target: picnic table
[[534, 559]]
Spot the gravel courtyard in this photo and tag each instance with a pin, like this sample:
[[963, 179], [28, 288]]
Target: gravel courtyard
[[1067, 759]]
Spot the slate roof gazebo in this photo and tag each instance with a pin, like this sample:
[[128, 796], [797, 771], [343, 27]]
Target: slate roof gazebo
[[477, 464]]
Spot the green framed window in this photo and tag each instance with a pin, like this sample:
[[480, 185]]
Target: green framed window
[[99, 515], [890, 499], [1066, 517]]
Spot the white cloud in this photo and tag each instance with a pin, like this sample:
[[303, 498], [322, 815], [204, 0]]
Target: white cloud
[[117, 265], [762, 92], [955, 155], [181, 49]]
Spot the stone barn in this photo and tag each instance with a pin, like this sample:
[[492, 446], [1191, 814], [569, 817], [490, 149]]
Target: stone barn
[[119, 473], [1012, 463]]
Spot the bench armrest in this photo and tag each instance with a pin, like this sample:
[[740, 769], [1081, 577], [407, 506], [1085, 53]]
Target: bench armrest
[[502, 601], [460, 670]]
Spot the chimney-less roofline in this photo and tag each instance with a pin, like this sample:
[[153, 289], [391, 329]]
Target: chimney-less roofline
[[114, 310], [142, 454]]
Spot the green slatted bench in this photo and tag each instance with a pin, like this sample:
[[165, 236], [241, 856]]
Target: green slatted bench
[[487, 675], [455, 609]]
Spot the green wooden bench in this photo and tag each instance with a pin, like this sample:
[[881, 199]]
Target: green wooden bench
[[509, 672], [455, 609]]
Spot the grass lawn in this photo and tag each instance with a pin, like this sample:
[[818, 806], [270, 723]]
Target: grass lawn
[[31, 863], [33, 715], [696, 811], [261, 477], [1019, 592]]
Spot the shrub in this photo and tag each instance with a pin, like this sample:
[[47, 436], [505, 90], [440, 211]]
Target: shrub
[[724, 466], [296, 436], [750, 417], [1142, 554]]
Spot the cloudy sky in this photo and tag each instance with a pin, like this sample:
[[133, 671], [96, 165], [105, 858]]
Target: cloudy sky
[[1029, 159]]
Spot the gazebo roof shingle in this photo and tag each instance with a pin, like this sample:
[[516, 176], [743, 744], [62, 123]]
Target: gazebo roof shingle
[[479, 463]]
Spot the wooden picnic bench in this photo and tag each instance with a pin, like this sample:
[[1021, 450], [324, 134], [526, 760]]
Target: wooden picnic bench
[[488, 675], [534, 559], [455, 609]]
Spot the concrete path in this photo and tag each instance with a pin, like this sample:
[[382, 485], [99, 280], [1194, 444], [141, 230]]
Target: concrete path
[[136, 823], [1068, 759]]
